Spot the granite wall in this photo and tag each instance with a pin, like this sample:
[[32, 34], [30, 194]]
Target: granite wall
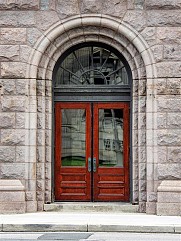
[[26, 96]]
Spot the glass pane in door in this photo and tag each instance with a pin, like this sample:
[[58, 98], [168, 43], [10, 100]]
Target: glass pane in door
[[73, 147], [111, 137]]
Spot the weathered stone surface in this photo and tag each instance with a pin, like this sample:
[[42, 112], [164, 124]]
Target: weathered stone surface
[[15, 103], [174, 154], [139, 4], [158, 52], [149, 34], [136, 19], [13, 69], [114, 7], [20, 153], [169, 35], [172, 52], [169, 171], [169, 69], [13, 35], [169, 86], [91, 6], [163, 18], [169, 137], [19, 4], [162, 154], [8, 86], [170, 104], [163, 4], [20, 120], [12, 137], [7, 120], [21, 87], [33, 35], [43, 21], [7, 153], [174, 121], [162, 120], [67, 8], [12, 195], [24, 53], [12, 207], [15, 171], [9, 52]]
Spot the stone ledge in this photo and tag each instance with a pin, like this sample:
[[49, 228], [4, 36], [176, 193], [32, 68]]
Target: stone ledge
[[11, 185], [170, 186]]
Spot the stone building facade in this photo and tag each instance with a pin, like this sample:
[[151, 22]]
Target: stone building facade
[[33, 36]]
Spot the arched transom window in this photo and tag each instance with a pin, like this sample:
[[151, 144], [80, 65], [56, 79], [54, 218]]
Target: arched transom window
[[91, 65]]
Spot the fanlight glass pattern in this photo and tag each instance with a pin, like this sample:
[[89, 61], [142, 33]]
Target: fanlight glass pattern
[[91, 66]]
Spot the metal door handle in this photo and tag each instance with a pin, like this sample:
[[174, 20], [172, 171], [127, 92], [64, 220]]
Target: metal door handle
[[94, 164], [89, 164]]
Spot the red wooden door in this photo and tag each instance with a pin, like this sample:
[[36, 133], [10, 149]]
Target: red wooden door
[[92, 173], [111, 152], [72, 151]]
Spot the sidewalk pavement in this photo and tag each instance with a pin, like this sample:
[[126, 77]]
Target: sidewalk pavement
[[89, 222]]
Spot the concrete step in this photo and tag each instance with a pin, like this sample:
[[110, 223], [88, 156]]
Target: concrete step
[[91, 207]]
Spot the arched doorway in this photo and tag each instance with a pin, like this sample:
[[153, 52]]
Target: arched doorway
[[92, 94]]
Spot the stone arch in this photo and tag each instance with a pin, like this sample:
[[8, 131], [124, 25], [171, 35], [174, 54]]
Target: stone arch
[[47, 50]]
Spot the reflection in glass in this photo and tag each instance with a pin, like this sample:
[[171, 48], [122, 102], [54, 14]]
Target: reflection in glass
[[111, 137], [92, 66], [73, 137]]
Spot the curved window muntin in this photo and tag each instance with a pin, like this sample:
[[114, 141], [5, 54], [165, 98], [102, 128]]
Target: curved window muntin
[[100, 74]]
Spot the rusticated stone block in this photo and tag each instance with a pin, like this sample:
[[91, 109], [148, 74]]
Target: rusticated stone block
[[165, 104], [169, 171], [13, 137], [13, 69], [12, 196], [174, 120], [169, 198], [21, 87], [163, 4], [169, 35], [20, 153], [15, 171], [174, 86], [139, 4], [136, 19], [44, 21], [115, 7], [172, 52], [162, 120], [169, 137], [67, 8], [15, 103], [169, 69], [20, 120], [19, 4], [163, 18], [9, 87], [91, 6], [174, 154], [7, 153], [7, 120], [33, 35], [162, 154], [13, 35], [9, 53], [149, 34]]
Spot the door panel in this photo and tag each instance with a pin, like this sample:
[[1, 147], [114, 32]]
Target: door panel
[[72, 149], [92, 157], [111, 133]]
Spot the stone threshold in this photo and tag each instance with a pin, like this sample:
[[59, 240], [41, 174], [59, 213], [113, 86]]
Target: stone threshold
[[92, 207]]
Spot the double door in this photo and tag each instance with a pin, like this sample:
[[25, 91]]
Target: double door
[[91, 151]]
